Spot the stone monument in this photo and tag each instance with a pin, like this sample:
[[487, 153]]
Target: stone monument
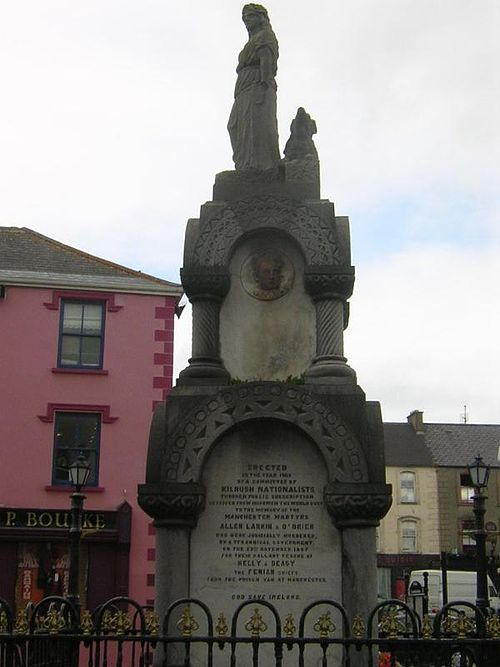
[[265, 474]]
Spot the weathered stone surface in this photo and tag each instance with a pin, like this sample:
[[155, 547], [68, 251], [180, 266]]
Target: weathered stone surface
[[172, 504], [265, 533], [202, 283], [268, 306], [344, 427], [298, 179], [252, 125], [267, 440], [327, 282], [300, 145], [207, 440], [358, 505], [211, 240]]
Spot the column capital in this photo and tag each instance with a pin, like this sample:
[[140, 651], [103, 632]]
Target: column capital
[[205, 283], [172, 503], [327, 282], [357, 505]]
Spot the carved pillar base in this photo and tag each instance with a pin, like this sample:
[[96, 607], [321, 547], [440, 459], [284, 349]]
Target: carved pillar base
[[329, 290], [205, 370], [175, 509], [330, 369], [356, 509], [171, 581], [205, 289], [359, 580]]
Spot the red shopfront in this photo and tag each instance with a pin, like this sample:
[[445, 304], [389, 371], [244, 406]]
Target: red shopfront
[[34, 554], [398, 566]]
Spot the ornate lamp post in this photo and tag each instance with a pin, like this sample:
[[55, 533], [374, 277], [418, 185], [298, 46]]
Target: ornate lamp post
[[79, 472], [479, 473]]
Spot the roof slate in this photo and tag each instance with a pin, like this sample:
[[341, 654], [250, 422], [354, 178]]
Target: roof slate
[[403, 447], [447, 445], [28, 255], [458, 444]]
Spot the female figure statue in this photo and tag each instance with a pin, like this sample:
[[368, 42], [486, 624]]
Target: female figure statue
[[252, 124]]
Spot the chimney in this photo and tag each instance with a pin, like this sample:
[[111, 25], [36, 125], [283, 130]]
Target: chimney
[[416, 420]]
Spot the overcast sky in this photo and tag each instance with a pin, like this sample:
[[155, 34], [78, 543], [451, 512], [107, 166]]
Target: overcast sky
[[113, 126]]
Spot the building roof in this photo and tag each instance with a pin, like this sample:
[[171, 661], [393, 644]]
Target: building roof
[[458, 444], [441, 445], [28, 258], [403, 447]]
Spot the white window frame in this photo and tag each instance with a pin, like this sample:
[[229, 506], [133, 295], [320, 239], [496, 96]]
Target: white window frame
[[402, 499], [408, 521], [466, 491]]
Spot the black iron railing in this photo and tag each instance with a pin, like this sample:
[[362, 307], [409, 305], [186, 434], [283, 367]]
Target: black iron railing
[[122, 633]]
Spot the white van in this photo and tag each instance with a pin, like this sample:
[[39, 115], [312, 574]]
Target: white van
[[461, 586]]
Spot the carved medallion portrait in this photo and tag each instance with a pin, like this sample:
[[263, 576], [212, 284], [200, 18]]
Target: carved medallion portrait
[[267, 274]]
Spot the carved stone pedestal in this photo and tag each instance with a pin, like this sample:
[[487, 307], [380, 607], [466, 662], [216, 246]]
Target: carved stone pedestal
[[265, 473]]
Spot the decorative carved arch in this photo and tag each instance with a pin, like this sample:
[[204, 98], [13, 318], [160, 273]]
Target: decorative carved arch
[[314, 235], [191, 442]]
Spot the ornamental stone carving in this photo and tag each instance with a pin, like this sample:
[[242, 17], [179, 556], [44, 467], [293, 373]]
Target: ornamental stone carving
[[329, 329], [357, 504], [170, 504], [200, 281], [305, 169], [191, 440], [314, 234], [328, 283]]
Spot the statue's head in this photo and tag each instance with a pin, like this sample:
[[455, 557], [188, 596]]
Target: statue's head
[[255, 16]]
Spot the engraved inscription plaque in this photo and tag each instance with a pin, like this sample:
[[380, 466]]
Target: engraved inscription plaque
[[265, 533]]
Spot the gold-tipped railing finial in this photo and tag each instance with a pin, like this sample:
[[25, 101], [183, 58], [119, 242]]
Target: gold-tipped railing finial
[[290, 627], [187, 623], [426, 627], [86, 624], [152, 622], [256, 624], [324, 625], [358, 627], [221, 627]]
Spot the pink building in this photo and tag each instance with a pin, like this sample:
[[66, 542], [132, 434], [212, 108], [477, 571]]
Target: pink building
[[86, 353]]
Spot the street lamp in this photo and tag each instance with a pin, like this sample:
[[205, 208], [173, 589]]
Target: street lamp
[[479, 473], [79, 472]]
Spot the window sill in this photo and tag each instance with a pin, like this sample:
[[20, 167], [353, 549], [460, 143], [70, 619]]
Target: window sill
[[81, 371], [71, 489]]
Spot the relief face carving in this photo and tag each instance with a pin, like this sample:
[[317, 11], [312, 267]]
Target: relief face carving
[[267, 275]]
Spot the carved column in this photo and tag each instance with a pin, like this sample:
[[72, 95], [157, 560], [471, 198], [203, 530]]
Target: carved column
[[330, 289], [206, 288], [356, 510], [175, 508]]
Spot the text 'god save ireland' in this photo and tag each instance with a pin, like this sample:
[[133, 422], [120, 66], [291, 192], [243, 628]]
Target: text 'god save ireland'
[[265, 531]]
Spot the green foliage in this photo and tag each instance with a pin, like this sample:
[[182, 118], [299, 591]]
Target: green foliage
[[291, 379]]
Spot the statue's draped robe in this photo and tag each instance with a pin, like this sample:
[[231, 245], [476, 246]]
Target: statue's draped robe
[[252, 124]]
